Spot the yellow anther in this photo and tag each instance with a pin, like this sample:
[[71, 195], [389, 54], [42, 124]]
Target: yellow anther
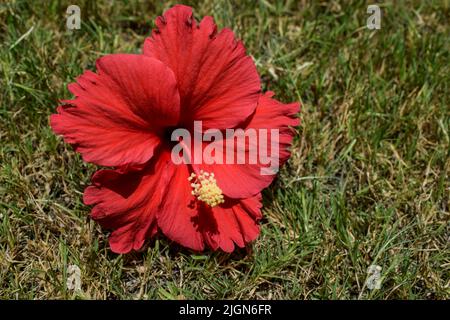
[[205, 188]]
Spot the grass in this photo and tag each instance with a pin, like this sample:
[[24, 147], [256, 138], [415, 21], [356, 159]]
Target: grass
[[368, 182]]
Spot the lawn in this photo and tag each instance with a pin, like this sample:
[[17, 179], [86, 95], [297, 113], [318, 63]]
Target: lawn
[[367, 183]]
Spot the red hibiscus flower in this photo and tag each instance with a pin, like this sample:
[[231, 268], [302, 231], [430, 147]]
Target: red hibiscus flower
[[123, 115]]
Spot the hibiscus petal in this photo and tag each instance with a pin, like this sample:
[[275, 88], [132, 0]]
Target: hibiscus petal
[[218, 82], [252, 206], [249, 228], [191, 223], [119, 112], [127, 203], [236, 223], [246, 180], [134, 204], [178, 217]]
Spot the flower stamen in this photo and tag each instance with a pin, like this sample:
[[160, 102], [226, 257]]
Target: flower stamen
[[205, 188]]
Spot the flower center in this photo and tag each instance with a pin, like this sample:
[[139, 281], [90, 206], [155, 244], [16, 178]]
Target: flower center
[[205, 188]]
